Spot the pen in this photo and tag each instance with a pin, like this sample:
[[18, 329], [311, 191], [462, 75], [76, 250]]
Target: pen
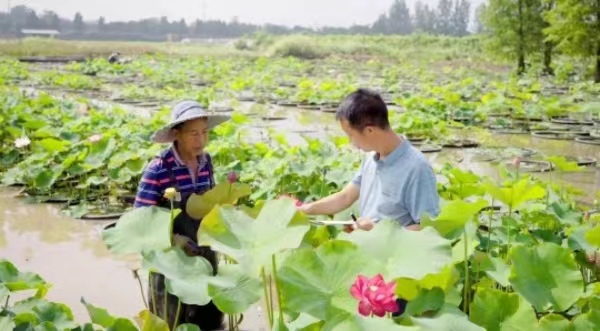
[[353, 217]]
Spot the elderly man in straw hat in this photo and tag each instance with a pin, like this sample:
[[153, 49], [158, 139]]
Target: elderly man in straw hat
[[186, 167]]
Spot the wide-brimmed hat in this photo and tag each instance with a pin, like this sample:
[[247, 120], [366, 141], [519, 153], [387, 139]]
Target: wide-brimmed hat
[[183, 112]]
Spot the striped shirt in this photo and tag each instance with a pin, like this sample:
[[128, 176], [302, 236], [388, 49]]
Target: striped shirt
[[156, 178]]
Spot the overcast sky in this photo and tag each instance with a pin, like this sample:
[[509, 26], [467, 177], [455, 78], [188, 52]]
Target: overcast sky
[[285, 12]]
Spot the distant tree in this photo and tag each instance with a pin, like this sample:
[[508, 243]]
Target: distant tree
[[424, 18], [50, 20], [78, 23], [479, 27], [380, 25], [398, 20], [515, 28], [575, 29], [443, 24], [101, 23], [460, 18]]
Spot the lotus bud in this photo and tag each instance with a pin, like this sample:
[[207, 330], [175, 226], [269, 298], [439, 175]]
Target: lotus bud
[[232, 177]]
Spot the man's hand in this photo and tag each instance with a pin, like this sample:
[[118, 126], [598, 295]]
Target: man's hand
[[363, 223]]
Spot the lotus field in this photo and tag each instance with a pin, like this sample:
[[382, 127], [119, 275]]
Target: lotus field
[[511, 250]]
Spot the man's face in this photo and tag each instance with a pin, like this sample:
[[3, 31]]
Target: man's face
[[360, 140], [193, 136]]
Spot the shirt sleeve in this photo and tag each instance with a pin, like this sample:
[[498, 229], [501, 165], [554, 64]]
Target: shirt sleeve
[[421, 196], [150, 189], [358, 175]]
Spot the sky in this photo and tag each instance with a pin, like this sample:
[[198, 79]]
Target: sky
[[310, 13]]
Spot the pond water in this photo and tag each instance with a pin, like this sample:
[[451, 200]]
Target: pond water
[[499, 148], [70, 254]]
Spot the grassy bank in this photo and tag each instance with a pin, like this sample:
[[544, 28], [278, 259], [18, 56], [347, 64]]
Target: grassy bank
[[300, 46], [57, 47]]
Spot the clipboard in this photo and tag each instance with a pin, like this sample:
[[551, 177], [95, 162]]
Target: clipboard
[[322, 222]]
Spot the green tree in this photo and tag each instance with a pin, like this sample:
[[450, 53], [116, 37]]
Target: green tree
[[424, 18], [460, 18], [399, 18], [444, 17], [575, 29], [479, 12], [515, 28], [78, 23]]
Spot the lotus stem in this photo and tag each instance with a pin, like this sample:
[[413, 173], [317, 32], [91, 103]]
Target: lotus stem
[[165, 317], [6, 302], [467, 287], [277, 290], [137, 276], [490, 227], [152, 292], [267, 298], [176, 322]]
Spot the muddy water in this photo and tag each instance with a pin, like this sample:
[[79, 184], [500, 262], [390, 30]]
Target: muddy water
[[70, 255], [316, 124]]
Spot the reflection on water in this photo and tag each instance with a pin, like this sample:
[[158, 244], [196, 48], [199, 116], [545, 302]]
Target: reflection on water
[[320, 125], [70, 255], [67, 253]]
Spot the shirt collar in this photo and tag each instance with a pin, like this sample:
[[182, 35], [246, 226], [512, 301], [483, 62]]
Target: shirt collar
[[179, 162], [396, 154]]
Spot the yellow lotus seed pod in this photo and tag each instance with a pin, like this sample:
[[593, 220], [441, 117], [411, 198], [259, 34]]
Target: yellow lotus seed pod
[[170, 193]]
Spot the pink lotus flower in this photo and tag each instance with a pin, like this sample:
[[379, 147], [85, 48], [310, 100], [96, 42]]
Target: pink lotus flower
[[516, 162], [374, 295], [232, 177], [95, 138]]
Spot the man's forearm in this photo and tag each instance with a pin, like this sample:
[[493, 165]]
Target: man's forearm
[[330, 205]]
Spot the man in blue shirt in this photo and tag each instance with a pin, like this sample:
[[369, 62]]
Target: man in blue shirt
[[395, 181]]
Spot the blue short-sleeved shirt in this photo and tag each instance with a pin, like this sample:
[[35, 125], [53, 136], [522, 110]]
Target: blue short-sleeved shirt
[[402, 187]]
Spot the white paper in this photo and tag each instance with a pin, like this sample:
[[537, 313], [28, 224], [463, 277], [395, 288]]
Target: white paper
[[332, 222]]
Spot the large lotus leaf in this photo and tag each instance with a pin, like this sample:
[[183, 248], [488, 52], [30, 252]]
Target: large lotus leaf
[[546, 275], [318, 281], [52, 145], [593, 236], [252, 243], [405, 253], [589, 320], [199, 205], [103, 318], [578, 239], [99, 152], [429, 293], [187, 327], [355, 322], [447, 319], [140, 229], [13, 280], [454, 216], [36, 311], [6, 323], [151, 322], [517, 194], [554, 322], [305, 322], [459, 253], [187, 276], [233, 291], [496, 310]]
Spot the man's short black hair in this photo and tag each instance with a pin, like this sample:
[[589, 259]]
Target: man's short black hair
[[363, 108]]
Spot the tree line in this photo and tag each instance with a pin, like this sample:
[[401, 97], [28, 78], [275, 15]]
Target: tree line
[[450, 17], [525, 29]]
